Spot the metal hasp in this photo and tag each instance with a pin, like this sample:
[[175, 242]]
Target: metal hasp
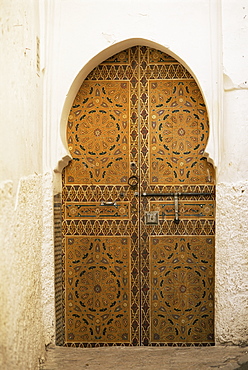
[[108, 203], [151, 218], [176, 199], [176, 202]]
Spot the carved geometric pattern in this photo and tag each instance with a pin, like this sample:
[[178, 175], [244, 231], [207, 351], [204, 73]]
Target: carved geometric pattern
[[181, 281], [120, 58], [178, 133], [98, 134], [82, 193], [189, 209], [98, 293], [157, 57], [168, 227], [58, 265], [110, 72], [139, 113], [97, 210]]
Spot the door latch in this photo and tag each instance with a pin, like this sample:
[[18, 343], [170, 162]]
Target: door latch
[[151, 218]]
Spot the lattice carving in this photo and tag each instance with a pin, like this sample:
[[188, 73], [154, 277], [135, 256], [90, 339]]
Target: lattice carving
[[98, 293], [178, 133], [187, 209], [181, 283], [98, 134]]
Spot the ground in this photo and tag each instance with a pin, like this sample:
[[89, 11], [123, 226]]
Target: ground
[[146, 358]]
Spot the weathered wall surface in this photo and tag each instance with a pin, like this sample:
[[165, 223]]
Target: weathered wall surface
[[232, 186], [231, 263], [21, 331], [26, 272], [26, 263]]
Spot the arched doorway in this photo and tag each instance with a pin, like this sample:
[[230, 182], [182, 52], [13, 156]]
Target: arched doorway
[[138, 207]]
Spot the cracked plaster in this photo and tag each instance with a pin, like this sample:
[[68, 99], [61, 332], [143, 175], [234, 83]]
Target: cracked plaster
[[232, 263]]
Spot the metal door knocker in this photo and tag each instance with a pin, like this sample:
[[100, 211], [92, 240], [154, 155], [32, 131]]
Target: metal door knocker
[[133, 181]]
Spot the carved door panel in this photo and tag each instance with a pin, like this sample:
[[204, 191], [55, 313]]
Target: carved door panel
[[138, 251]]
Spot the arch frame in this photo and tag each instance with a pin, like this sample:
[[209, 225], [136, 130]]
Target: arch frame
[[211, 151]]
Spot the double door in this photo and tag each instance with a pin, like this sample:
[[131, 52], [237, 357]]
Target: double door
[[138, 207]]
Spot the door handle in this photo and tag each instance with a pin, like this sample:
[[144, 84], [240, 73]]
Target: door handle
[[133, 181]]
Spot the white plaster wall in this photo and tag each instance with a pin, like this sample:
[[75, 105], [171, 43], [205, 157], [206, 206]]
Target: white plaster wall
[[232, 187], [26, 263], [20, 92]]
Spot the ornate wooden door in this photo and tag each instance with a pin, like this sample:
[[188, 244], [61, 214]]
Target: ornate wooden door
[[138, 207]]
